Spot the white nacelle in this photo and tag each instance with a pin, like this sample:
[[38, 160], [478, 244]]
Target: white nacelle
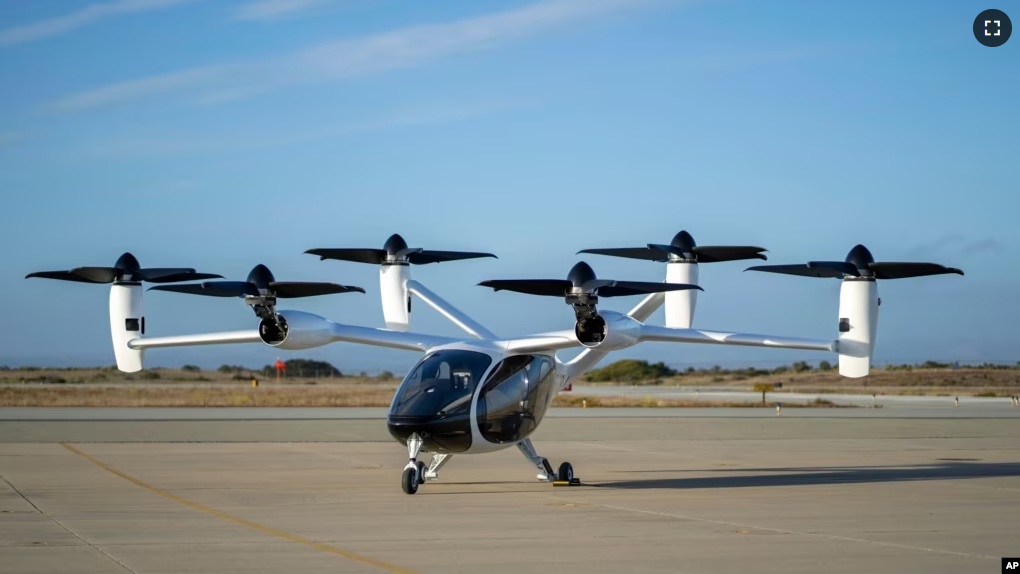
[[127, 322], [680, 304], [303, 331], [858, 320], [396, 301], [619, 332]]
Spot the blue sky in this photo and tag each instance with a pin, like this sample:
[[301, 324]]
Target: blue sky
[[220, 134]]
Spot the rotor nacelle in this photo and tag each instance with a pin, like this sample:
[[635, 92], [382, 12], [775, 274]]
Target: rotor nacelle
[[858, 298], [682, 256], [608, 331], [395, 259], [581, 290], [296, 330]]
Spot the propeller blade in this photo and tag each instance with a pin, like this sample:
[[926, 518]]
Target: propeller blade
[[403, 253], [98, 274], [180, 277], [239, 288], [802, 270], [198, 289], [593, 284], [893, 270], [668, 249], [62, 276], [423, 257], [373, 256], [293, 289], [154, 272], [547, 287], [839, 267], [625, 288], [712, 254], [631, 253]]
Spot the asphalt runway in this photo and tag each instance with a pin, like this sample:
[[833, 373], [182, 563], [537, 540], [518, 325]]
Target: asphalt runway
[[665, 490]]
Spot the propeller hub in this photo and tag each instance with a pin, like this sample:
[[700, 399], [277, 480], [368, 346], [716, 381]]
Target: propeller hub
[[684, 242], [261, 277], [394, 245], [580, 274], [861, 258], [127, 262], [127, 265]]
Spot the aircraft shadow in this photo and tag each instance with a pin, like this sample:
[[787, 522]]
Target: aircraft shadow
[[823, 475]]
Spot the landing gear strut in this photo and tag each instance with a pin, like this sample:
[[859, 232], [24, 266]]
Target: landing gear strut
[[437, 462], [545, 470]]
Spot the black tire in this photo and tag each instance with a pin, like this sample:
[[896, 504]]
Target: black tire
[[409, 480], [421, 472], [566, 472]]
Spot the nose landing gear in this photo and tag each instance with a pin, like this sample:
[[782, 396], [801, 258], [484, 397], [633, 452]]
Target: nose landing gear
[[414, 472]]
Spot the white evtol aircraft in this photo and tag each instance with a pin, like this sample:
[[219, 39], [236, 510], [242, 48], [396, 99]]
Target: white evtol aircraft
[[485, 393]]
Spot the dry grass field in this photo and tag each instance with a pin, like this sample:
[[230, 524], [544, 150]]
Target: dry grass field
[[916, 381], [108, 387], [336, 395]]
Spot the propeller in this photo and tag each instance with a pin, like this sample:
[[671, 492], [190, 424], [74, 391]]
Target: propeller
[[581, 281], [859, 263], [125, 270], [396, 251], [260, 291], [260, 283], [683, 248]]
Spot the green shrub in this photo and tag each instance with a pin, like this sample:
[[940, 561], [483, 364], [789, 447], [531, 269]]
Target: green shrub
[[801, 366], [631, 371]]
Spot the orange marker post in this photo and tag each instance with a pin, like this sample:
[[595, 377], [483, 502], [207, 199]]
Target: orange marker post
[[280, 366]]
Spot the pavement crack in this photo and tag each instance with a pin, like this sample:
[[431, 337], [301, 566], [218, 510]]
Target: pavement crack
[[287, 536], [65, 527]]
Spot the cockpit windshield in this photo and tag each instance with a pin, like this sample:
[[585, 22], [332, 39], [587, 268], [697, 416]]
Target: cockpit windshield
[[442, 384]]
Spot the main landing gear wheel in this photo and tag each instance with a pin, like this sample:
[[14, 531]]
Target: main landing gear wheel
[[566, 472], [409, 480]]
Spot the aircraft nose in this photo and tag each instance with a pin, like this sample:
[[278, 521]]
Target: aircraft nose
[[441, 434]]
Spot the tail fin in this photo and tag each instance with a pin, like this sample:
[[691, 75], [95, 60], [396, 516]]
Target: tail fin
[[127, 322], [858, 326]]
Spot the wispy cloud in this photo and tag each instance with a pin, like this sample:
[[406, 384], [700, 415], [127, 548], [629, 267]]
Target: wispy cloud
[[390, 50], [86, 16], [275, 9], [169, 144]]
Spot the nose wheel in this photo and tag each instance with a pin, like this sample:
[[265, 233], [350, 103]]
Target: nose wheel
[[414, 472], [412, 478]]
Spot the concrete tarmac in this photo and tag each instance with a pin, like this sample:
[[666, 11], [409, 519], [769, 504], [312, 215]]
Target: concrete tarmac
[[819, 492]]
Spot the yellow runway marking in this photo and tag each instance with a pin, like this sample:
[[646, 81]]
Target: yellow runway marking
[[253, 525]]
